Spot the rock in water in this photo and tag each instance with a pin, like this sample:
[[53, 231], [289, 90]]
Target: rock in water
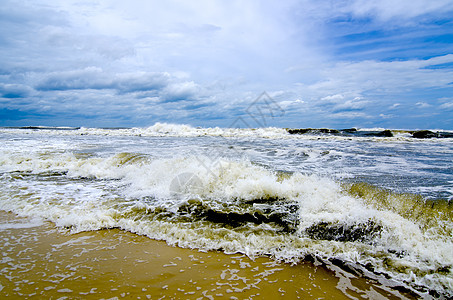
[[385, 133], [339, 232], [313, 131], [424, 134]]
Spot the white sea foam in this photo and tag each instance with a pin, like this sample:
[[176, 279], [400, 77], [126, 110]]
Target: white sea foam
[[27, 223], [90, 184], [183, 130]]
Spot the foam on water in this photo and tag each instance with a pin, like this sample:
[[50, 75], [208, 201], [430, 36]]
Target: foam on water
[[182, 130], [269, 201], [156, 130], [237, 206], [29, 223]]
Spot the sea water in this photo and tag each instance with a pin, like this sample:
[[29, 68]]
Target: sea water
[[375, 206]]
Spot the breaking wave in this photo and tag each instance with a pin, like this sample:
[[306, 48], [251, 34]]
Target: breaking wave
[[239, 206], [182, 130]]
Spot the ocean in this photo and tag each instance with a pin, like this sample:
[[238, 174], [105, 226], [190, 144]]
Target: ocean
[[369, 207]]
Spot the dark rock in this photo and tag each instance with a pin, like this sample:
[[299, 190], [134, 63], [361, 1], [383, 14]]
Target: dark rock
[[361, 232], [329, 131], [424, 134], [349, 130], [445, 270], [406, 290], [283, 215], [347, 266], [310, 258], [445, 134], [298, 131], [385, 133], [398, 253], [234, 219], [313, 131]]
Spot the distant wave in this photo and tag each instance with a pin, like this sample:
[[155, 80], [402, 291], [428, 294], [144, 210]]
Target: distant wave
[[181, 130]]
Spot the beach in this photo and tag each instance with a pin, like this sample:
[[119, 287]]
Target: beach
[[226, 149], [177, 212], [40, 261]]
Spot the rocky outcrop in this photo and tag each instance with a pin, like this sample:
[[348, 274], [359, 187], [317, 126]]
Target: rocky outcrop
[[349, 130], [427, 134], [361, 232], [278, 214], [419, 134], [424, 134], [313, 131], [384, 133]]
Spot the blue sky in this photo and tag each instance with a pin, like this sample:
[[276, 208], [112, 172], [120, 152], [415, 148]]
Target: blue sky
[[335, 64]]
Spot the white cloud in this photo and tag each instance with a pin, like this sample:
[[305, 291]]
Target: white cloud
[[291, 103], [395, 105], [355, 104], [447, 106], [14, 90], [96, 78], [181, 91], [422, 105], [177, 57], [402, 10], [349, 115], [384, 116], [333, 98], [387, 76]]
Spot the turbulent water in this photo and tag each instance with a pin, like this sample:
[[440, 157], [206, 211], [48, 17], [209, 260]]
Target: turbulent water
[[377, 206]]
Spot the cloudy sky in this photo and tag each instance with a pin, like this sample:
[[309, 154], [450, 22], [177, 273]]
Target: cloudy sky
[[321, 63]]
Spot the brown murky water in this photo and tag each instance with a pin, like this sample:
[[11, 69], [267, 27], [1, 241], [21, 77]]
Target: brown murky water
[[39, 261]]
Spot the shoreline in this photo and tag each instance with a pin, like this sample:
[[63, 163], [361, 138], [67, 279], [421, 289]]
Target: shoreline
[[40, 260]]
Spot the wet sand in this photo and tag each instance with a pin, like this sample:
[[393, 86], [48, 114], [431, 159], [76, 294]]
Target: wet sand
[[39, 261]]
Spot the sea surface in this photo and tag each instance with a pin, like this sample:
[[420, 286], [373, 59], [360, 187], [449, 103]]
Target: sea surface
[[374, 205]]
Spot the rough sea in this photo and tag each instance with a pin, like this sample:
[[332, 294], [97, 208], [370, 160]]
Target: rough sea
[[375, 204]]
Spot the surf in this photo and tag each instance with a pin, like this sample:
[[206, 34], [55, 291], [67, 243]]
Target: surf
[[238, 207], [349, 202]]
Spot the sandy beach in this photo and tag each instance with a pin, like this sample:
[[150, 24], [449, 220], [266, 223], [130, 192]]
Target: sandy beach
[[42, 261]]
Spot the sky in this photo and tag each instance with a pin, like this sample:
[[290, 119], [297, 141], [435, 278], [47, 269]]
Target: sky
[[249, 63]]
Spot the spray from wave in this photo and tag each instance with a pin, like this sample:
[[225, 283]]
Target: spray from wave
[[238, 206], [182, 130]]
